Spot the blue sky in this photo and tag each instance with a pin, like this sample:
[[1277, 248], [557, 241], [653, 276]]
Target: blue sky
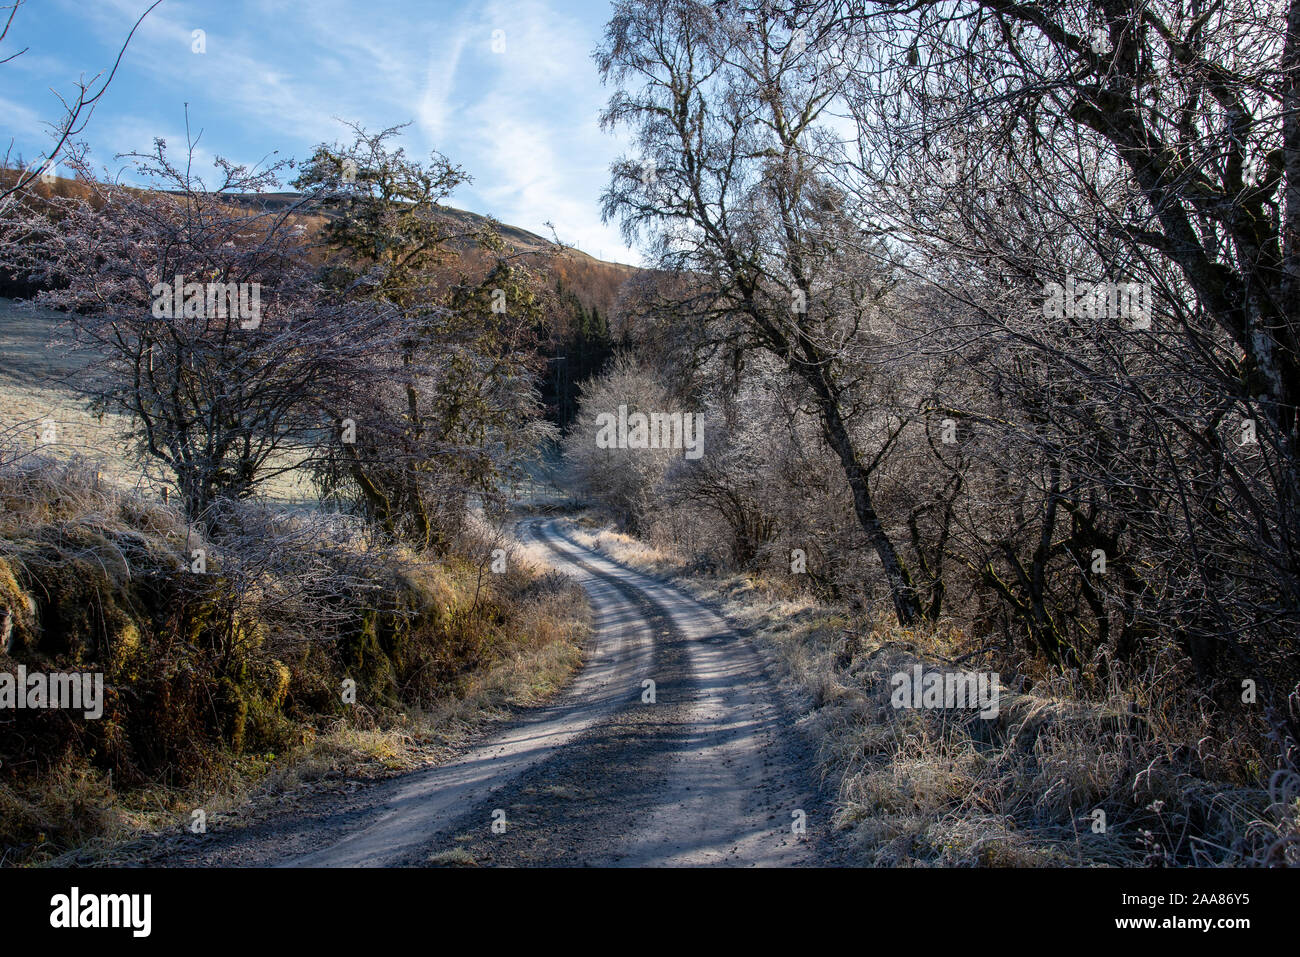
[[522, 121]]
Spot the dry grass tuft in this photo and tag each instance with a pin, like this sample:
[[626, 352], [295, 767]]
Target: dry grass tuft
[[948, 788]]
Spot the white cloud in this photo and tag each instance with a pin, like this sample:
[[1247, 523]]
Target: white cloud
[[538, 151], [20, 120], [522, 122]]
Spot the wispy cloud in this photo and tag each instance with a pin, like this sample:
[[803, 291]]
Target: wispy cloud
[[520, 115]]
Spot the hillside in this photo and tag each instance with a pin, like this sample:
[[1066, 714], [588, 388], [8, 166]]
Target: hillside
[[595, 282], [577, 342]]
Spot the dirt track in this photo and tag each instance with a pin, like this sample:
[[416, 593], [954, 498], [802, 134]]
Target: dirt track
[[711, 773]]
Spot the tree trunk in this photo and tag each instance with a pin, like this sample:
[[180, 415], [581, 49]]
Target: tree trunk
[[907, 605]]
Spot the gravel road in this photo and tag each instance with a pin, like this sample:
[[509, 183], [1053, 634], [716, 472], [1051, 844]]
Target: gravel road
[[706, 767]]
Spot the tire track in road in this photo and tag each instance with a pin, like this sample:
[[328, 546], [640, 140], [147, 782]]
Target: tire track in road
[[739, 776], [425, 801], [709, 774]]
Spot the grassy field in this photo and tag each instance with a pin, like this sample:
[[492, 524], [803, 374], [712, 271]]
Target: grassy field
[[41, 411], [37, 371]]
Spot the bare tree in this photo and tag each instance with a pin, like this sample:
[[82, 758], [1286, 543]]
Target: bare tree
[[454, 406], [207, 324], [733, 188], [625, 480], [76, 113], [1007, 150]]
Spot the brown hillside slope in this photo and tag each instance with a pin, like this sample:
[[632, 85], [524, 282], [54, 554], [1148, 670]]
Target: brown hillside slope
[[595, 282]]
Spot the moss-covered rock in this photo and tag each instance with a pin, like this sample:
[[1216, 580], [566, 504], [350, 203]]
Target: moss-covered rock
[[17, 613]]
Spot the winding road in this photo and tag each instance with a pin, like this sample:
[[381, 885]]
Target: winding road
[[673, 746]]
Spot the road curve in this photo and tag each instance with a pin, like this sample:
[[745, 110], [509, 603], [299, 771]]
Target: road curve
[[709, 770], [734, 777]]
